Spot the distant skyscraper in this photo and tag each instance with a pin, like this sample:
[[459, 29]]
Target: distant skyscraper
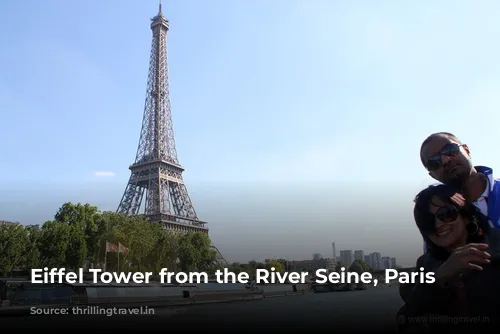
[[317, 256], [359, 255], [375, 260], [346, 257], [334, 252], [368, 261], [393, 262], [385, 263]]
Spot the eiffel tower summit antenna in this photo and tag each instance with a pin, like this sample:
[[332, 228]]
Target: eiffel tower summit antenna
[[156, 187]]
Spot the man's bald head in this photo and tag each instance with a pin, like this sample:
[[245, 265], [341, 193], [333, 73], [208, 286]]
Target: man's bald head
[[446, 158]]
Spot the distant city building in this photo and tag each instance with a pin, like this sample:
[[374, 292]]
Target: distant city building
[[346, 258], [359, 255], [375, 260], [317, 256], [385, 263], [4, 222], [334, 252], [368, 260], [34, 226], [312, 265]]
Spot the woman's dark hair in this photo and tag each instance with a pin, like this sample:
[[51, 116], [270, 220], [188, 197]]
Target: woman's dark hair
[[425, 220]]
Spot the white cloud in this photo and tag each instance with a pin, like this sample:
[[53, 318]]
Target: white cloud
[[104, 174]]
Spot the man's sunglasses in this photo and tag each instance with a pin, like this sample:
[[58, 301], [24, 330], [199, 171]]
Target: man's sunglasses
[[436, 160]]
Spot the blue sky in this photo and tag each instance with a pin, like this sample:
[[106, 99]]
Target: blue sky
[[298, 122]]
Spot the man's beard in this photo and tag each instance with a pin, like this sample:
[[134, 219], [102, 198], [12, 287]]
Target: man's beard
[[458, 181]]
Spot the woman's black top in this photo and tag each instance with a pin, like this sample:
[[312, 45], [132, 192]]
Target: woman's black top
[[472, 299]]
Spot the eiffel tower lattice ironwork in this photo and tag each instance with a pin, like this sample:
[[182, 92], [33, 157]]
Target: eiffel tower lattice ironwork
[[156, 187]]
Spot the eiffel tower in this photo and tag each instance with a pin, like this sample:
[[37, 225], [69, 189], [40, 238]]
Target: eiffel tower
[[156, 188]]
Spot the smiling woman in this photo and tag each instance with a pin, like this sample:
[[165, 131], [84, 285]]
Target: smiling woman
[[446, 221], [463, 253]]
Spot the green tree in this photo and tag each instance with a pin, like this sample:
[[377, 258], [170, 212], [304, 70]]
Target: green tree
[[54, 243], [137, 234], [359, 266], [252, 265], [285, 264], [79, 232], [338, 266], [203, 244], [236, 267], [195, 251], [108, 229], [83, 217], [76, 251], [32, 257], [163, 254], [133, 232], [277, 265], [13, 242]]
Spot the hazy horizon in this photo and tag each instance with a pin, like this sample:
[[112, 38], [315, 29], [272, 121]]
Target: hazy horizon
[[290, 221]]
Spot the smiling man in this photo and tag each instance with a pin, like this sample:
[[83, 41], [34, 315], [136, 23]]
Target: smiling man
[[449, 161]]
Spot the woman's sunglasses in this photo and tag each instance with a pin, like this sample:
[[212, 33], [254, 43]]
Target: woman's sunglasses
[[436, 160], [447, 213]]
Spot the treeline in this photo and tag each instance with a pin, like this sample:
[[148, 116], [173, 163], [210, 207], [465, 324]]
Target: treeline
[[77, 237]]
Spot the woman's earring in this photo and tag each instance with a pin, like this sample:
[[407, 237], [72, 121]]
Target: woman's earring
[[473, 228]]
